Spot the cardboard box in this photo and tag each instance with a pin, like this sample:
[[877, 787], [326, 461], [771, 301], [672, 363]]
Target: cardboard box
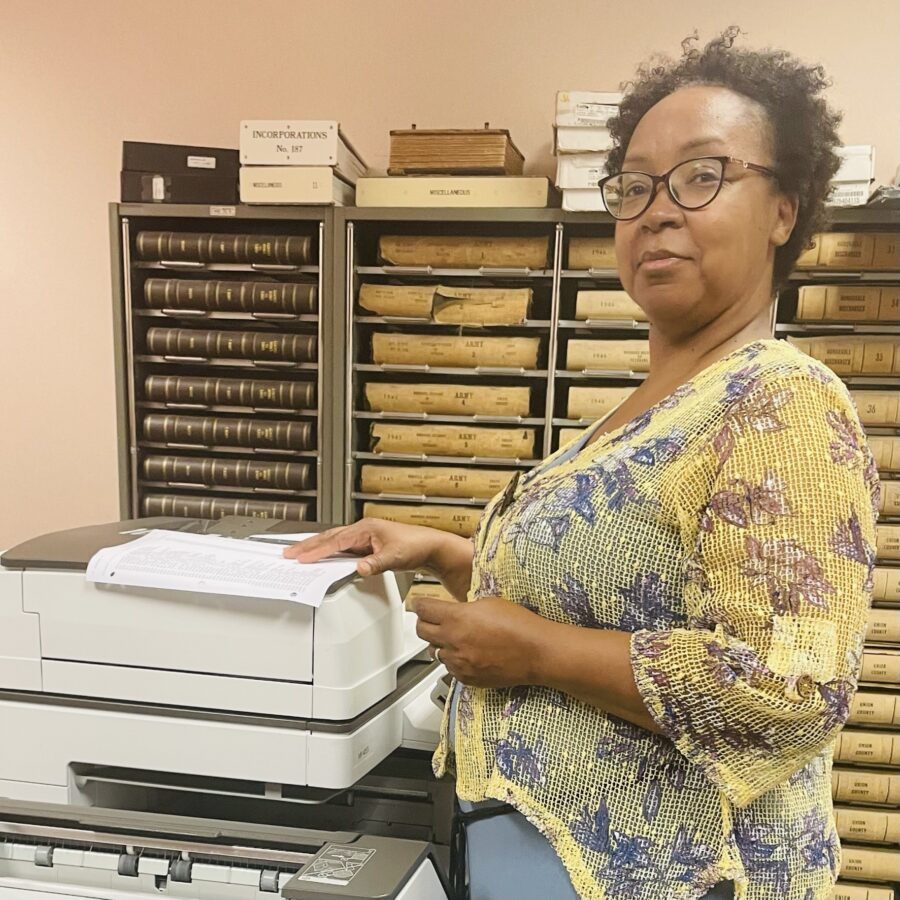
[[178, 159], [299, 142], [580, 171], [143, 187], [575, 139], [454, 191], [294, 185], [587, 108], [583, 200]]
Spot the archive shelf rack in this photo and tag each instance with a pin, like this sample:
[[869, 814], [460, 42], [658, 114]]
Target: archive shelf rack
[[160, 476]]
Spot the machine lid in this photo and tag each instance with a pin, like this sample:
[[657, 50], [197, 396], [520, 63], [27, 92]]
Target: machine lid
[[73, 548]]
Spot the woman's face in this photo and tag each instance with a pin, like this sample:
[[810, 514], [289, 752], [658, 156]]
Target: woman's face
[[718, 259]]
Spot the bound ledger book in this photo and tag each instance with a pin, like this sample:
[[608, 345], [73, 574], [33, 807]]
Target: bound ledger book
[[880, 408], [594, 402], [252, 392], [241, 473], [456, 519], [853, 250], [874, 707], [426, 590], [452, 440], [454, 151], [855, 355], [607, 305], [434, 481], [873, 748], [608, 356], [178, 246], [448, 399], [216, 431], [201, 343], [890, 499], [464, 252], [887, 542], [455, 350], [883, 626], [190, 507], [844, 891], [867, 826], [592, 253], [870, 863], [848, 303], [871, 787], [454, 191], [448, 305], [231, 296], [886, 451], [887, 585]]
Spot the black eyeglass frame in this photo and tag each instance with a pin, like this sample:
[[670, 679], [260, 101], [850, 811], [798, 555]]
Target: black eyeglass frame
[[656, 180]]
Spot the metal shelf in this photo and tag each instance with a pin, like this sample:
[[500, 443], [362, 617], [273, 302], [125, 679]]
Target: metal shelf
[[243, 410], [610, 324], [844, 275], [279, 365], [573, 423], [886, 381], [591, 274], [170, 265], [204, 315], [217, 489], [230, 451], [475, 419], [393, 368], [497, 273], [448, 460], [423, 498], [588, 374], [837, 328], [456, 326]]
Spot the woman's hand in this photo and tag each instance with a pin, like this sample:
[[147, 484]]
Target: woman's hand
[[486, 643], [387, 546]]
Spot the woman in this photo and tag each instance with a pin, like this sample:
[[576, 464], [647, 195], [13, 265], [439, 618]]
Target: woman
[[669, 612]]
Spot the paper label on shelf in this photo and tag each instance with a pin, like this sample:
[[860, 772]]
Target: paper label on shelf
[[222, 211], [336, 864], [201, 162], [158, 187]]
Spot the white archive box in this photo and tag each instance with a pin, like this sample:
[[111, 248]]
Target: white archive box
[[299, 142], [857, 163], [586, 200], [587, 107], [580, 171], [297, 185], [580, 139]]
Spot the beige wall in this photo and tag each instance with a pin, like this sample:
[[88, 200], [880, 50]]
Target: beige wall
[[79, 76]]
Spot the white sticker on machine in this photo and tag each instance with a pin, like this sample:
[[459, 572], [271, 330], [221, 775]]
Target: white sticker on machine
[[336, 864]]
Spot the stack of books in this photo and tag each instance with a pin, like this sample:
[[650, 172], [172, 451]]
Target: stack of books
[[175, 173], [297, 162], [581, 143], [479, 167]]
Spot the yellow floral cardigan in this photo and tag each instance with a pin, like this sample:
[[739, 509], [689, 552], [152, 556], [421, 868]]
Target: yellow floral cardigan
[[730, 529]]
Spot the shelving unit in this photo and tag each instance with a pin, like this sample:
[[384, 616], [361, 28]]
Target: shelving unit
[[218, 474]]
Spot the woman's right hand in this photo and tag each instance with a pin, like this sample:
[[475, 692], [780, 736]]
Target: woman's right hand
[[386, 546]]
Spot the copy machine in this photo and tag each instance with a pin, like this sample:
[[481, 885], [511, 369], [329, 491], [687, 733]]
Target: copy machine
[[199, 745]]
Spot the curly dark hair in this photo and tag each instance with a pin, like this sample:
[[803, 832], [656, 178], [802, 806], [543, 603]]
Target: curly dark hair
[[804, 127]]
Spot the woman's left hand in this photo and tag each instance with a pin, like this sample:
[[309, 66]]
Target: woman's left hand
[[489, 642]]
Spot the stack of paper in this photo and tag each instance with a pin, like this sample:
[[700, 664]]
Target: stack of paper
[[212, 564], [581, 143]]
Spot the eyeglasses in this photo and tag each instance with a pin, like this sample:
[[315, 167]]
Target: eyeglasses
[[691, 184]]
